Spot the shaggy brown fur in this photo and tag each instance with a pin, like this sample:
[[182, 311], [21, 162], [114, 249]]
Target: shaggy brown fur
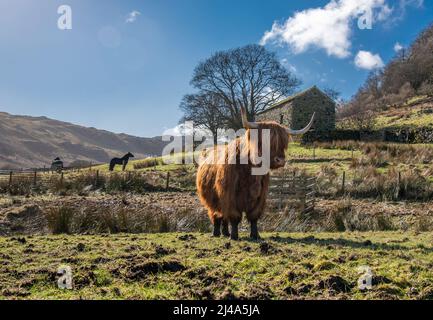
[[229, 190]]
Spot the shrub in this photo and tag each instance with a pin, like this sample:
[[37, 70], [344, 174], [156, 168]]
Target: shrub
[[148, 163], [60, 220], [348, 218]]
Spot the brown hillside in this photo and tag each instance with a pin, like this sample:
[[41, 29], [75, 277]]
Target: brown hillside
[[34, 141]]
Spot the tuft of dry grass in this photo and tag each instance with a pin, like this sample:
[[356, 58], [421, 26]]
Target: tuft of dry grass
[[148, 163]]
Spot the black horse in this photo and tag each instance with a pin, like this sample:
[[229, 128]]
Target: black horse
[[122, 161]]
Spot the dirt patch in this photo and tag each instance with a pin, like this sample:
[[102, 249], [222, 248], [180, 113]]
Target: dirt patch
[[257, 292], [377, 280], [140, 271], [187, 237], [304, 289], [160, 251], [228, 294], [15, 292], [23, 220], [335, 284], [266, 248], [81, 247]]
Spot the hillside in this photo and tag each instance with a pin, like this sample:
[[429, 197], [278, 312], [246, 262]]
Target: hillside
[[408, 75], [416, 113], [34, 141]]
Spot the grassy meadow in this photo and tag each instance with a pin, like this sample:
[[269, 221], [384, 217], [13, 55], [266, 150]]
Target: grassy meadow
[[197, 266], [126, 236]]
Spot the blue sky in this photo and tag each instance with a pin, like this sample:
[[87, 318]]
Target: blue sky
[[127, 72]]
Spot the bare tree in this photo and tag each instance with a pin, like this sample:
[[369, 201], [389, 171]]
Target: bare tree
[[204, 109], [332, 93], [249, 76]]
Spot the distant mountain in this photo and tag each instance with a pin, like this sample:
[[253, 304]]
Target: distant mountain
[[30, 142]]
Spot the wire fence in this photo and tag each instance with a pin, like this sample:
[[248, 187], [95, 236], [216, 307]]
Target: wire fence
[[13, 180]]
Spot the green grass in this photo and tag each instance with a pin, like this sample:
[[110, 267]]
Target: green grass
[[170, 163], [296, 150], [412, 119], [166, 266]]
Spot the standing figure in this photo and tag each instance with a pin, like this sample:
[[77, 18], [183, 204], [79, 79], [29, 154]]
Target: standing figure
[[122, 161], [229, 189]]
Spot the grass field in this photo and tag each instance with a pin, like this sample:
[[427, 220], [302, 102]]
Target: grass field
[[387, 188], [411, 116], [196, 266]]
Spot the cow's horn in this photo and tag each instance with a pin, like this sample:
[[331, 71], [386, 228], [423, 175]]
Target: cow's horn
[[302, 131], [247, 124]]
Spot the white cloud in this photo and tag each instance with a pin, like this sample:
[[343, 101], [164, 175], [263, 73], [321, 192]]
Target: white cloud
[[367, 60], [398, 47], [288, 65], [132, 16], [403, 4], [328, 28], [400, 9]]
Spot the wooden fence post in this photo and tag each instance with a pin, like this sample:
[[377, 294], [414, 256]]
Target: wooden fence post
[[343, 185], [167, 181], [61, 180], [10, 179], [397, 192], [97, 178], [34, 177], [281, 199], [314, 151]]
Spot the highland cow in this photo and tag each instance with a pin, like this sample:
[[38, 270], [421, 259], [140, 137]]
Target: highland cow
[[229, 189]]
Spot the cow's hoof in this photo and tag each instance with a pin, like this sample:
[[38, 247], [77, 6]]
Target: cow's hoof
[[255, 236]]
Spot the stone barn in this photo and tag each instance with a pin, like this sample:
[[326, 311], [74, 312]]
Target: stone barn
[[296, 111]]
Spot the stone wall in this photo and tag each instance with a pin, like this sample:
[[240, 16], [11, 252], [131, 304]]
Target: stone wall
[[313, 101], [281, 114], [420, 135], [297, 112]]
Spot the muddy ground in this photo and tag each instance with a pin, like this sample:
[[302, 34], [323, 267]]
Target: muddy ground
[[116, 249], [197, 266]]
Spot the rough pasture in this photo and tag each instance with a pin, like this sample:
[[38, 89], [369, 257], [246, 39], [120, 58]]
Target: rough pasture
[[183, 266]]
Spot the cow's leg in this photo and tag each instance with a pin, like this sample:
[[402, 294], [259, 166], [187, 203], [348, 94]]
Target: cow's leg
[[225, 228], [217, 227], [234, 234], [254, 230]]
